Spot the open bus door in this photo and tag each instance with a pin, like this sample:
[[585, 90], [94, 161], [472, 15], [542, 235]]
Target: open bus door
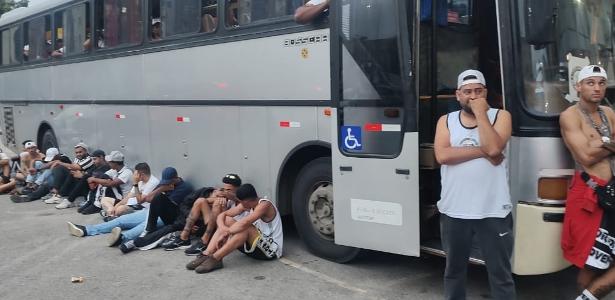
[[374, 137]]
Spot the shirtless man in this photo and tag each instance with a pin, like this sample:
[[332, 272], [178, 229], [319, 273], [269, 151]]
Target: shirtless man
[[587, 128], [311, 10], [253, 227]]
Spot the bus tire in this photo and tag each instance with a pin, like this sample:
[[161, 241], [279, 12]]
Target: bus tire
[[48, 140], [312, 207]]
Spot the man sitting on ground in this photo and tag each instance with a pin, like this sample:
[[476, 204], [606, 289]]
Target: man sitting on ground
[[122, 180], [44, 180], [208, 210], [135, 199], [258, 233], [68, 175]]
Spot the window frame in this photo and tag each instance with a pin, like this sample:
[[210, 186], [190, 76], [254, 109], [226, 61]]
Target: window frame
[[259, 23], [19, 26], [143, 40]]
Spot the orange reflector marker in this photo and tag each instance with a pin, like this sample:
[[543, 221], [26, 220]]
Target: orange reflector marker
[[553, 188], [327, 112]]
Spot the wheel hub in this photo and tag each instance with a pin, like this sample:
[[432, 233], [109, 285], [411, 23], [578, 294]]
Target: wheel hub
[[320, 209]]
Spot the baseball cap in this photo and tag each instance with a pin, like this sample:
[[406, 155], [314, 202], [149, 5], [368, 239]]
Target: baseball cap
[[168, 174], [29, 145], [470, 76], [115, 156], [50, 154], [82, 145], [591, 71], [98, 153], [232, 179]]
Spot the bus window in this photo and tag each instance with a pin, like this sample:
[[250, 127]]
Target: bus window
[[72, 30], [209, 15], [118, 23], [12, 49], [37, 45], [581, 33], [170, 17], [243, 12]]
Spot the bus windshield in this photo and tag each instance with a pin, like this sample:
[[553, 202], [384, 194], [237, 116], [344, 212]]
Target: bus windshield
[[558, 37]]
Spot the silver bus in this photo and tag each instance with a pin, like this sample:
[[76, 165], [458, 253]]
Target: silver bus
[[333, 120]]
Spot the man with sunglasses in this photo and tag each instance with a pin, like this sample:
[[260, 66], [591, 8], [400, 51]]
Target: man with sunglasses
[[475, 197]]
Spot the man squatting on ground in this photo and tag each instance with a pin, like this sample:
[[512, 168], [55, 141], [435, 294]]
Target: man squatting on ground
[[588, 236]]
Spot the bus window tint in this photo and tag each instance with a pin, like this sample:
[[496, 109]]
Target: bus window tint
[[118, 23], [12, 49], [242, 12], [171, 17], [74, 33], [37, 45]]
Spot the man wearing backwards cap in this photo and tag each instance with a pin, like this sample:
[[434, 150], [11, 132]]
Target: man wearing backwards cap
[[475, 198], [587, 129]]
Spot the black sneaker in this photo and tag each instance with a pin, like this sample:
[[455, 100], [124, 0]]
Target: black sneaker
[[196, 248], [109, 218], [76, 230], [20, 198], [89, 209], [128, 246], [176, 243]]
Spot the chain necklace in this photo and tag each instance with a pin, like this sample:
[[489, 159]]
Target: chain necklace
[[603, 129]]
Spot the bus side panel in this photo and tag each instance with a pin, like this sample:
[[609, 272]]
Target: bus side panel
[[255, 148]]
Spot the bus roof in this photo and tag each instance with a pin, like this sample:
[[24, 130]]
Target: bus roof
[[24, 12]]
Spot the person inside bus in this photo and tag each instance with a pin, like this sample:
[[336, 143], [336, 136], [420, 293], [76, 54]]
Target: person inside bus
[[475, 198], [207, 210], [144, 184], [59, 50], [121, 181], [156, 30], [257, 232], [67, 175], [589, 222], [311, 11]]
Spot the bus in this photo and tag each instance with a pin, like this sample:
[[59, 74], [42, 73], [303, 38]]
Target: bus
[[334, 121]]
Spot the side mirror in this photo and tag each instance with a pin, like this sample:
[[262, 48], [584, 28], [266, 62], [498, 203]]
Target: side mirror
[[540, 21]]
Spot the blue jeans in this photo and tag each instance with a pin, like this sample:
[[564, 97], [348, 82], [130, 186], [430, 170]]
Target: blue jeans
[[45, 177], [133, 223], [31, 178]]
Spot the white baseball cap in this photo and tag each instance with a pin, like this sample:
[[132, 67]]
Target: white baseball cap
[[50, 154], [82, 145], [470, 76], [29, 145], [591, 71], [115, 156]]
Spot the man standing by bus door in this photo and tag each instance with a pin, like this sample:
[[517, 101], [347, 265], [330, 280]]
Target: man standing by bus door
[[588, 236], [475, 198]]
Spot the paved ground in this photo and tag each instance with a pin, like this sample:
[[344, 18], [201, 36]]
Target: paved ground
[[39, 257]]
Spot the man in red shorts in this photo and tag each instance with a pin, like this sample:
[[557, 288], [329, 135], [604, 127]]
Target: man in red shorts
[[588, 238]]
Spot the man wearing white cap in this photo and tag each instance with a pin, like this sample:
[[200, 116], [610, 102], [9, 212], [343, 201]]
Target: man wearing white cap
[[69, 174], [475, 198], [589, 222], [122, 180]]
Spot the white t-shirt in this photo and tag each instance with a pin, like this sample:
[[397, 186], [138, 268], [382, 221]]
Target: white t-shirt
[[145, 188], [125, 175], [315, 2]]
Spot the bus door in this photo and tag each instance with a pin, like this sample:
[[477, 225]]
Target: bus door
[[374, 137]]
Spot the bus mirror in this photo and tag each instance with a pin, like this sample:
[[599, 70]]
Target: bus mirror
[[540, 20]]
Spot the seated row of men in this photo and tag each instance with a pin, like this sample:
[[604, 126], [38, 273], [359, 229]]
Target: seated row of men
[[143, 212]]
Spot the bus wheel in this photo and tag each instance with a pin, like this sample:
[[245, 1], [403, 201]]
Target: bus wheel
[[313, 211], [48, 140]]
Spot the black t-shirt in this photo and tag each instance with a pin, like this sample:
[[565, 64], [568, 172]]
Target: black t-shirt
[[97, 171]]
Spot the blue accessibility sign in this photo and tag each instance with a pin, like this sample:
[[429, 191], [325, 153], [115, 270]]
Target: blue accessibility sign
[[351, 138]]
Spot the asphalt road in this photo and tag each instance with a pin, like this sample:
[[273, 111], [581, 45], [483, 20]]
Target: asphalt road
[[38, 258]]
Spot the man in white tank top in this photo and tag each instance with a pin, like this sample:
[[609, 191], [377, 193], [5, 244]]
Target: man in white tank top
[[258, 233], [475, 197]]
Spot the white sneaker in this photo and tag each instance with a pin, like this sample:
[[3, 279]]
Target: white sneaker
[[55, 199], [65, 204], [115, 237]]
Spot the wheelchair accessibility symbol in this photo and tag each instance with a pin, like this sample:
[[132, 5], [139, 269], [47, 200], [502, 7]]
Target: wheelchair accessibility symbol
[[351, 138]]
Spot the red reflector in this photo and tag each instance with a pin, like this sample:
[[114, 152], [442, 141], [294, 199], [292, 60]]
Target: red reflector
[[284, 123], [373, 127]]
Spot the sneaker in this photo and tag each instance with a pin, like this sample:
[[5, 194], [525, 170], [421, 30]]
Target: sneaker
[[115, 238], [109, 218], [196, 248], [65, 204], [209, 265], [196, 262], [89, 209], [49, 195], [149, 242], [55, 199], [20, 198], [76, 230], [128, 246], [176, 243]]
